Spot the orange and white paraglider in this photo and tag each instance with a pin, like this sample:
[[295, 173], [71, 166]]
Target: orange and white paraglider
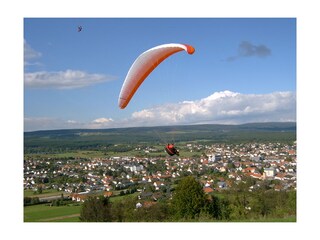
[[144, 65]]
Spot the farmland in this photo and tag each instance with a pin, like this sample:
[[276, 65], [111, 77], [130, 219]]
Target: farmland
[[45, 213]]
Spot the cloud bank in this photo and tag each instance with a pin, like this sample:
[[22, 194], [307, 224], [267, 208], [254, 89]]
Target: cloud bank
[[224, 107], [67, 79]]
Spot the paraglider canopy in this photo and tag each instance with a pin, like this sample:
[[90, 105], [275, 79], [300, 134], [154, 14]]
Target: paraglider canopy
[[171, 150], [144, 65]]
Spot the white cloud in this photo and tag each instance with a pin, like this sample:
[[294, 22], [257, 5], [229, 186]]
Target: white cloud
[[102, 120], [30, 54], [100, 123], [47, 123], [68, 79], [221, 107], [71, 121], [42, 123]]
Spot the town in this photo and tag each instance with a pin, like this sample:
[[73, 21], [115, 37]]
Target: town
[[217, 167]]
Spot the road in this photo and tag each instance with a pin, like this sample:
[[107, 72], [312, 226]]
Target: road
[[54, 197]]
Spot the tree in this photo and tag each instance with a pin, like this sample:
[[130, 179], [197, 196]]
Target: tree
[[292, 202], [189, 198], [30, 201], [39, 189], [218, 208], [265, 203], [96, 209]]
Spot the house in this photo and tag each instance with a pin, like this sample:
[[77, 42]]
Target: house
[[149, 204], [222, 184], [79, 197], [145, 195], [107, 194], [280, 176], [256, 158], [232, 175], [269, 172], [214, 157], [207, 190], [158, 184], [250, 170], [235, 176], [292, 152], [254, 175], [204, 161], [147, 179], [277, 188]]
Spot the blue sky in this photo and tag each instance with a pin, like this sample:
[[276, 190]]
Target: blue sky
[[243, 70]]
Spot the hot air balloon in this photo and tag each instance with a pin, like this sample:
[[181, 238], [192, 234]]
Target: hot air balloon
[[144, 65]]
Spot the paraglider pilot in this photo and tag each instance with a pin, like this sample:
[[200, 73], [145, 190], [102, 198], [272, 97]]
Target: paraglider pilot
[[171, 150]]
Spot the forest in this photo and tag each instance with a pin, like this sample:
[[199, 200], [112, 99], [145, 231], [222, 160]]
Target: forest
[[94, 139]]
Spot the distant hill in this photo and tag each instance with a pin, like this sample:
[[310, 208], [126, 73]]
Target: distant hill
[[75, 138]]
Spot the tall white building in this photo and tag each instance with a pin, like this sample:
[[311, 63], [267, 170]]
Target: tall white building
[[269, 172]]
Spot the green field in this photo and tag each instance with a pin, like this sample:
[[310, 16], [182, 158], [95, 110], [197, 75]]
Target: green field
[[68, 213], [45, 193], [45, 213], [270, 219], [71, 154]]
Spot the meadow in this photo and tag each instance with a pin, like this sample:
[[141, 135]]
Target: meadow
[[66, 213], [47, 213]]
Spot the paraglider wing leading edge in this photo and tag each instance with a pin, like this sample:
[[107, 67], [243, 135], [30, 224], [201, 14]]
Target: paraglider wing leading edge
[[144, 65]]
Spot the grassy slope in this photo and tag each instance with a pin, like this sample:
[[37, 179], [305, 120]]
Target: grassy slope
[[45, 213]]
